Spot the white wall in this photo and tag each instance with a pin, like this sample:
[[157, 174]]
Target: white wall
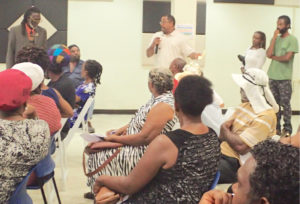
[[229, 30], [111, 32]]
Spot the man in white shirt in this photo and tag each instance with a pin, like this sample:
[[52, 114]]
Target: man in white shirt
[[169, 44]]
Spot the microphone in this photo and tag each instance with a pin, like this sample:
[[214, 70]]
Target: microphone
[[156, 49]]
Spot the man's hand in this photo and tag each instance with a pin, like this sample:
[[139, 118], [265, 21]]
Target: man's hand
[[155, 42], [216, 197], [225, 128], [276, 33]]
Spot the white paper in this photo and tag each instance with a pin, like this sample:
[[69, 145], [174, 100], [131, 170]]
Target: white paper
[[94, 137]]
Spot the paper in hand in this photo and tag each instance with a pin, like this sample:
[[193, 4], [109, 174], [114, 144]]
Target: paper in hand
[[94, 137]]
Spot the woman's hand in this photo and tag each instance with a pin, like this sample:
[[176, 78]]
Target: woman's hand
[[118, 132], [111, 138], [97, 185], [29, 112]]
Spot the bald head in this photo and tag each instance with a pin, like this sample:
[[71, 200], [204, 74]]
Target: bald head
[[177, 65]]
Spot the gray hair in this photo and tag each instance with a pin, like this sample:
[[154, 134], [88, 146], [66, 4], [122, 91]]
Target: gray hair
[[161, 79]]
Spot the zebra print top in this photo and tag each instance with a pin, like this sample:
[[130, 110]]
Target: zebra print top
[[129, 156], [137, 122]]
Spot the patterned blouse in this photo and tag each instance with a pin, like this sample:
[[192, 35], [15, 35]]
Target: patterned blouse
[[84, 91], [23, 144], [129, 155], [191, 176]]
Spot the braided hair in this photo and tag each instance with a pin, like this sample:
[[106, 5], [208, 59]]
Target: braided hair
[[94, 70], [27, 14]]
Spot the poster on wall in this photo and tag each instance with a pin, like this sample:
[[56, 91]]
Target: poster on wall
[[186, 29]]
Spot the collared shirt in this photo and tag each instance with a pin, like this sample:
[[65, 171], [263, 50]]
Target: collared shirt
[[252, 128], [30, 31], [75, 76], [171, 46]]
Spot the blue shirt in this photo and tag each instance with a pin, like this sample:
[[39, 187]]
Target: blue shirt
[[75, 76]]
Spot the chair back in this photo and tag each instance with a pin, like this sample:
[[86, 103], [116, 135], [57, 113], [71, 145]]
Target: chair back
[[215, 181], [79, 120], [20, 195]]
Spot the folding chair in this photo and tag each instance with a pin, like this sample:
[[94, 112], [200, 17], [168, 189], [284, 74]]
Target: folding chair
[[20, 195], [44, 172], [215, 181], [64, 144]]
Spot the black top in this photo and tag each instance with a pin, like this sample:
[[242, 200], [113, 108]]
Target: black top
[[191, 176], [66, 88]]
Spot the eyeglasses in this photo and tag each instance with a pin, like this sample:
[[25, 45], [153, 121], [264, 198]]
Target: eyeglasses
[[163, 22]]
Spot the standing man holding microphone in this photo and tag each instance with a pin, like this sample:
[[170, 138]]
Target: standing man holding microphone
[[169, 44]]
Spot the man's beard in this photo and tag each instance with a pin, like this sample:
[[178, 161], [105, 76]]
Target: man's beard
[[75, 59], [283, 31]]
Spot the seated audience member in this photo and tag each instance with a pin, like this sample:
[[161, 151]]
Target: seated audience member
[[23, 142], [269, 176], [73, 69], [176, 66], [91, 72], [212, 114], [156, 117], [45, 107], [59, 56], [178, 166], [253, 121], [39, 56]]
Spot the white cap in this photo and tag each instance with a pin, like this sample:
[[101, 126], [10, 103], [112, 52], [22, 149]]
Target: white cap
[[33, 71], [255, 84]]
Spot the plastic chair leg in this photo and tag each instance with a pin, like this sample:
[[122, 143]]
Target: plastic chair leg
[[43, 194], [55, 187]]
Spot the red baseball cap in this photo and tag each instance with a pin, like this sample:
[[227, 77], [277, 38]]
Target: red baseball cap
[[15, 88]]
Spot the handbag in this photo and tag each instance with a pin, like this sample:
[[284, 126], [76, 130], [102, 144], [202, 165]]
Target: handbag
[[106, 196], [97, 147]]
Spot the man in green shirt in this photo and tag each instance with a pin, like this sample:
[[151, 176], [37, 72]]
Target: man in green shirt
[[282, 48]]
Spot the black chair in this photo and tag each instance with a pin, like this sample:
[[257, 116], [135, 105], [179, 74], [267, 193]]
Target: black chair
[[44, 172]]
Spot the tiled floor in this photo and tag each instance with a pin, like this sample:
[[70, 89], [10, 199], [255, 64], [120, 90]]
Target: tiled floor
[[76, 181]]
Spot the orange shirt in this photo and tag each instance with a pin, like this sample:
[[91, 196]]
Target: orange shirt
[[30, 32]]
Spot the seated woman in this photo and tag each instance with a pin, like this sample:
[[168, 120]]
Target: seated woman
[[40, 57], [154, 118], [23, 142], [91, 72], [178, 166], [45, 106]]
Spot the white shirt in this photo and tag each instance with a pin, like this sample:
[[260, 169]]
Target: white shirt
[[255, 58], [171, 46]]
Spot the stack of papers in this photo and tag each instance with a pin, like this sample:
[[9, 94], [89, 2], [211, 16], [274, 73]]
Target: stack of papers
[[94, 137]]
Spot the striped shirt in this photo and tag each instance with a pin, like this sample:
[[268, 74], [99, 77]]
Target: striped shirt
[[252, 128], [46, 110]]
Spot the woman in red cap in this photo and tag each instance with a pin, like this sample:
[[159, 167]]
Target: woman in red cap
[[23, 142]]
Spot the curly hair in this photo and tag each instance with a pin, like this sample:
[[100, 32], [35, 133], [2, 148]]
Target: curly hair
[[161, 79], [35, 55], [94, 70], [192, 94], [276, 175]]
